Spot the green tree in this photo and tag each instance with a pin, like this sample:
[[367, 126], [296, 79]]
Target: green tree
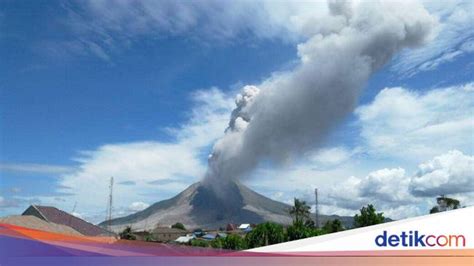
[[452, 203], [148, 237], [300, 212], [216, 243], [127, 234], [434, 210], [318, 232], [368, 216], [178, 226], [445, 204], [265, 234], [199, 243], [333, 226], [298, 230], [233, 241]]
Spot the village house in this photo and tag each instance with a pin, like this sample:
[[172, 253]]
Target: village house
[[161, 234], [57, 216]]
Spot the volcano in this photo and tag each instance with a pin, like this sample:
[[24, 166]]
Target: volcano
[[199, 206]]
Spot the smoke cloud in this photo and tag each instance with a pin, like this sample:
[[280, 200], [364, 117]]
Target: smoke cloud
[[292, 112]]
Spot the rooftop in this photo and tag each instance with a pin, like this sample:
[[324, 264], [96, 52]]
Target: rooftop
[[57, 216]]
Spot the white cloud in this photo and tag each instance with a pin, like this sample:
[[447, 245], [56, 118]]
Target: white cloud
[[216, 20], [100, 29], [455, 38], [16, 202], [405, 124], [35, 168], [449, 173], [387, 189], [175, 164], [402, 127], [299, 179], [392, 190], [331, 156], [138, 206]]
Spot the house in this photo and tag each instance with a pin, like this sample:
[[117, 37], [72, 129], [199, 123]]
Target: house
[[33, 222], [209, 236], [57, 216], [221, 235], [165, 234], [142, 235], [244, 226], [185, 239], [198, 232], [231, 227], [212, 236]]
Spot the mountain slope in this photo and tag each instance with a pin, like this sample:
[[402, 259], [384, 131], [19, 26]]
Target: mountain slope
[[200, 207]]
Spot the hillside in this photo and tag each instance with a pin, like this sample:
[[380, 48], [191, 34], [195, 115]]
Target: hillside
[[199, 207]]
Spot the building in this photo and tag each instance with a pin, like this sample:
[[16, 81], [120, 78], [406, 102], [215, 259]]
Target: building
[[33, 222], [244, 227], [214, 235], [54, 215], [165, 234], [185, 239], [210, 236], [231, 227]]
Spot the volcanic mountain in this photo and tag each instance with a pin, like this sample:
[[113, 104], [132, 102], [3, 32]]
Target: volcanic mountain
[[198, 206]]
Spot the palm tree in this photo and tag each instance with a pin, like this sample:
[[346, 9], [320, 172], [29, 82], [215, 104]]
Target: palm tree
[[300, 211]]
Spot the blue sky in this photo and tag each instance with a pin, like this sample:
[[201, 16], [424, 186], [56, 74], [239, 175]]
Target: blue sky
[[92, 90]]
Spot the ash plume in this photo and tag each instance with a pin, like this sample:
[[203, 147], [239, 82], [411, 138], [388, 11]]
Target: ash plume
[[292, 112]]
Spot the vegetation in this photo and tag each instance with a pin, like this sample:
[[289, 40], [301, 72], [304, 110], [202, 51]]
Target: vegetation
[[333, 226], [302, 227], [298, 230], [300, 212], [199, 243], [178, 226], [445, 203], [435, 209], [148, 237], [368, 216], [235, 242], [216, 243], [127, 234], [265, 234]]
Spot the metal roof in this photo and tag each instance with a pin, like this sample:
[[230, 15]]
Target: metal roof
[[33, 222], [244, 226], [57, 216]]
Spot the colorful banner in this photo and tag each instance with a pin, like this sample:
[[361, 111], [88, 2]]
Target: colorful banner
[[438, 239]]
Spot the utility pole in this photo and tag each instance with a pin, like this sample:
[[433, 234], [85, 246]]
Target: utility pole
[[110, 206], [316, 207], [72, 212]]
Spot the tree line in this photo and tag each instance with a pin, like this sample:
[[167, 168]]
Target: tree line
[[303, 226]]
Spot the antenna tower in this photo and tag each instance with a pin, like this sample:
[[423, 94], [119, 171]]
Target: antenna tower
[[110, 206], [316, 207]]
